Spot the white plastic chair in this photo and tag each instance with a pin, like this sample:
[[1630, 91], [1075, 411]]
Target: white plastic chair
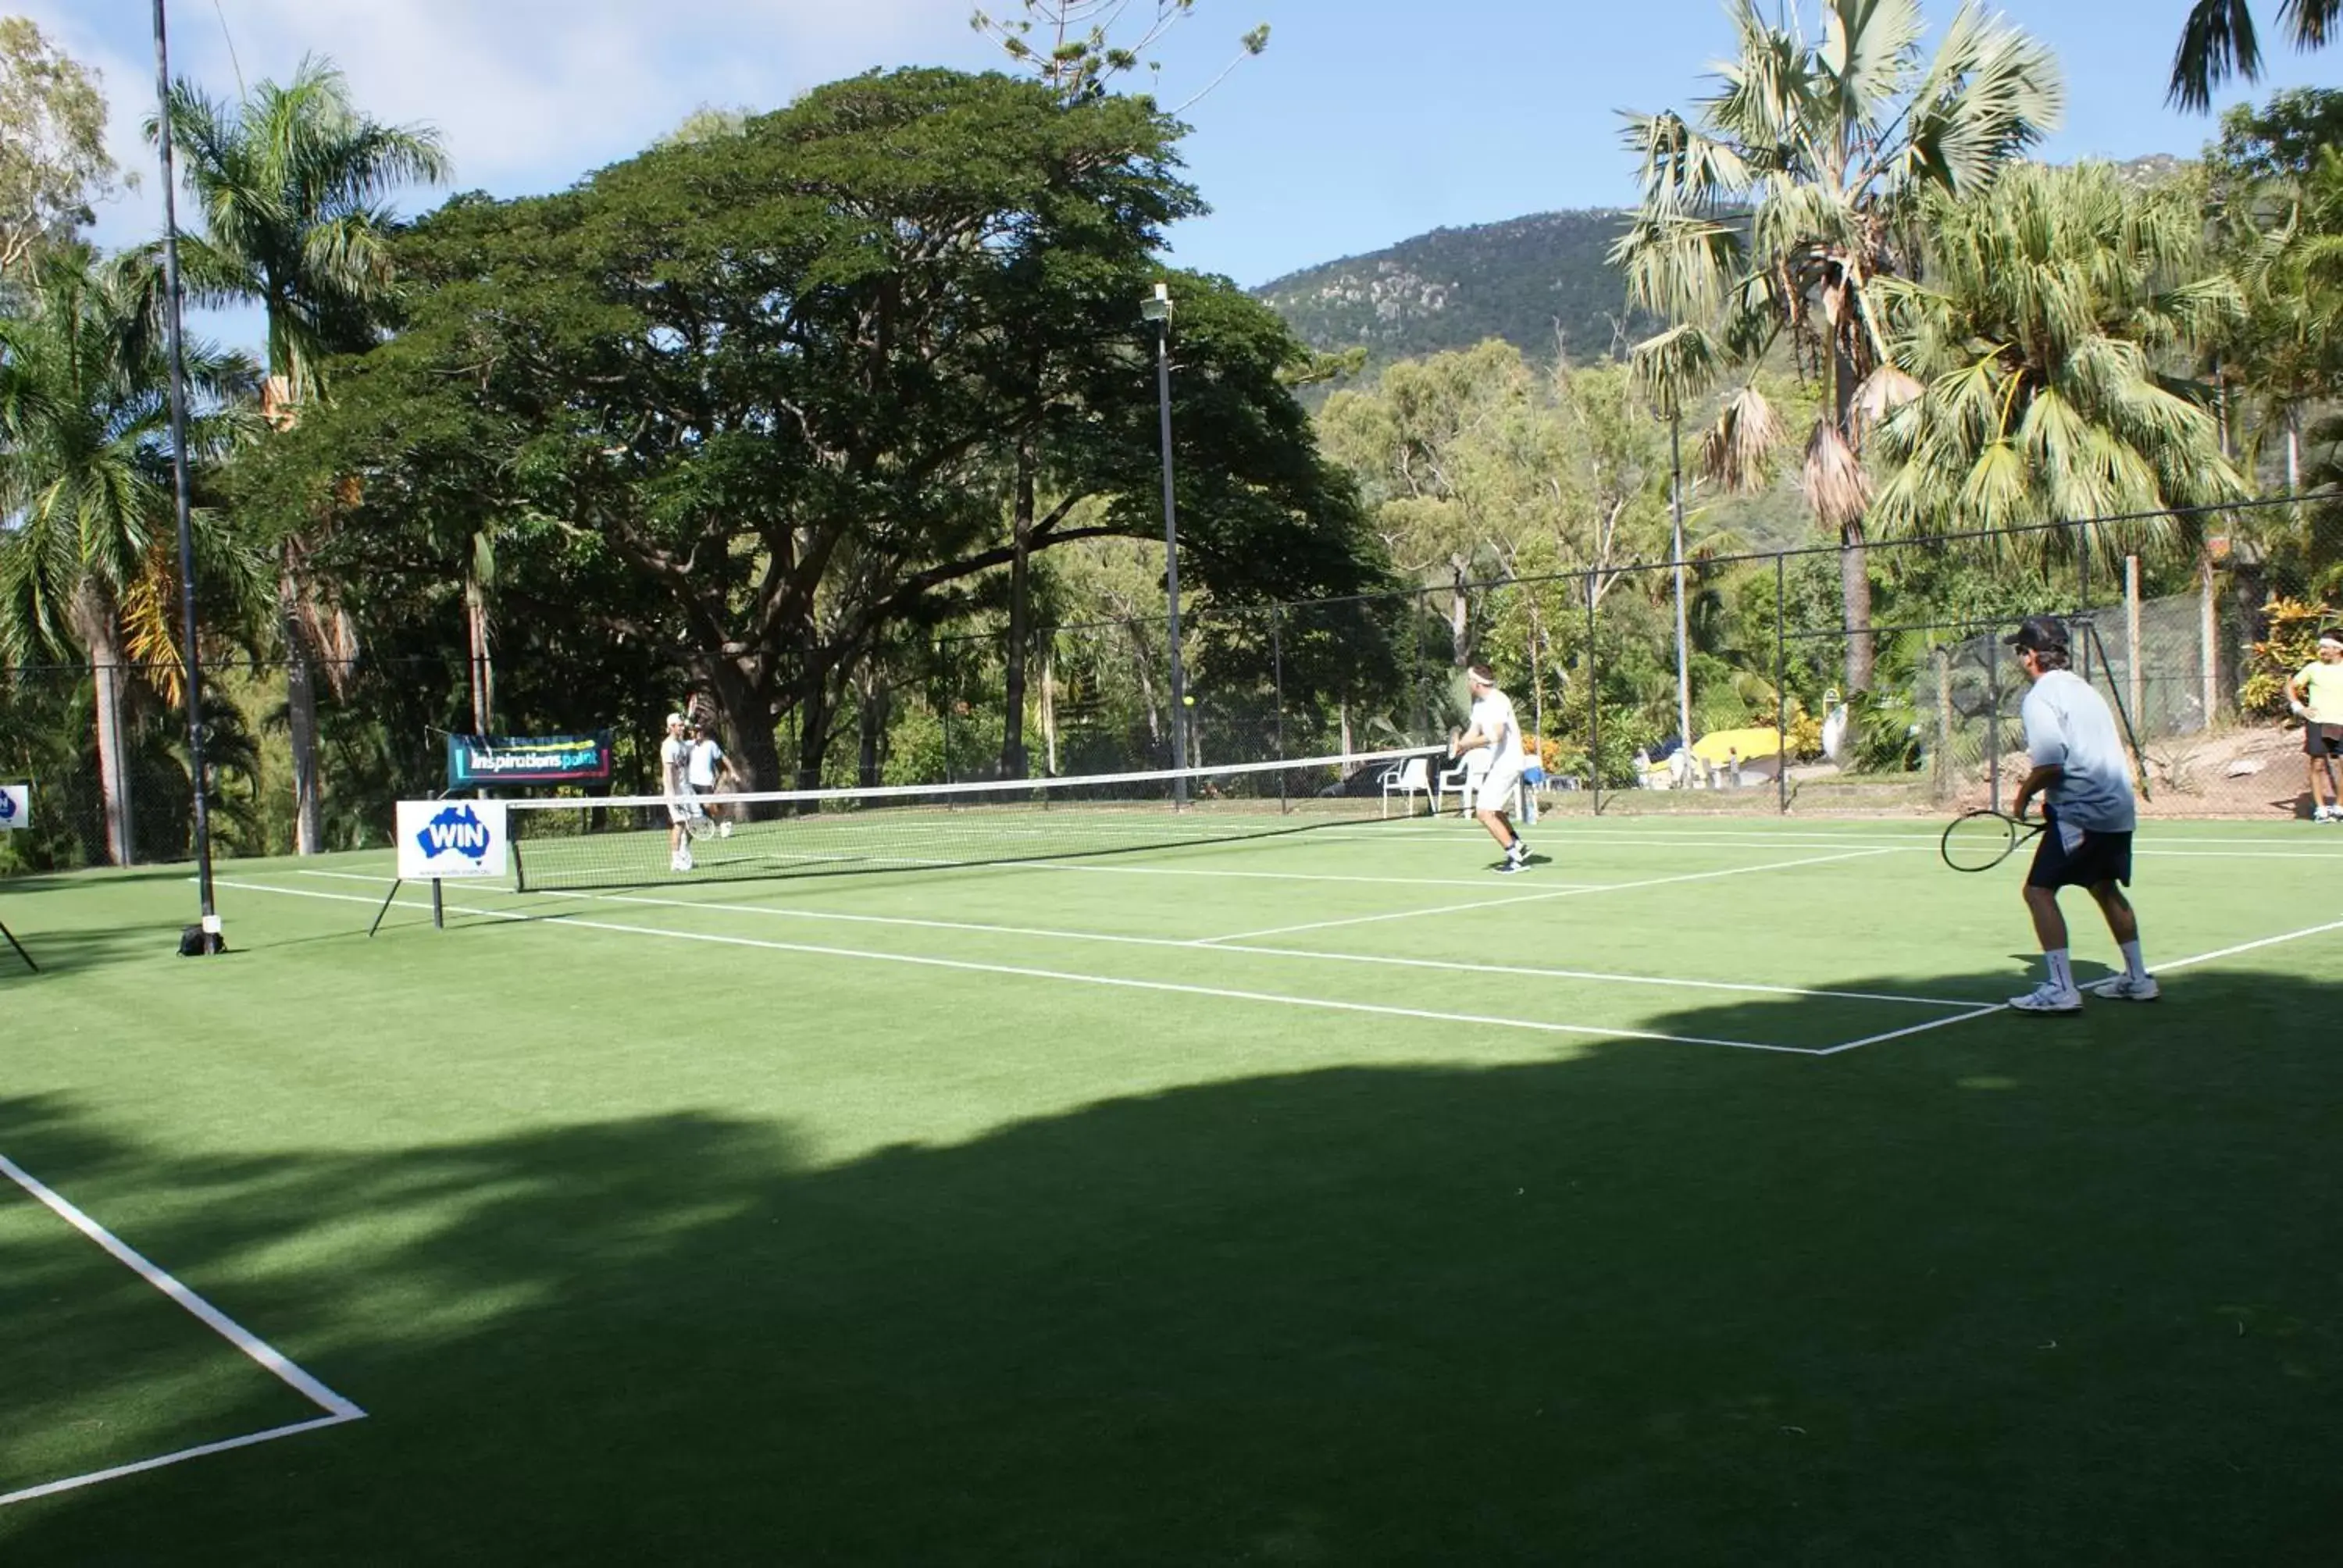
[[1409, 779], [1465, 779]]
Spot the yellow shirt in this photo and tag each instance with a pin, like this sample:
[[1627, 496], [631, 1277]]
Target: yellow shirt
[[2322, 691]]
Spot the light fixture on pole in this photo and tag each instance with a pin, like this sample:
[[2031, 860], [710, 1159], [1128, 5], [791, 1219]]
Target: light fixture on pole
[[210, 940], [1157, 308]]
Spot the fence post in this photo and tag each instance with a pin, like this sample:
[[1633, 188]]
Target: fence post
[[1782, 683], [1593, 702], [2208, 640], [2131, 637], [1943, 660], [1993, 716], [944, 706], [1277, 675]]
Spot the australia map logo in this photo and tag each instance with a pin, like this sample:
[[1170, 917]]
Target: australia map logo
[[7, 806], [455, 831]]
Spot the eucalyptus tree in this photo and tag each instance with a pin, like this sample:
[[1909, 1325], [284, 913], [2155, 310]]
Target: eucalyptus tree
[[2219, 40], [292, 183], [86, 480], [53, 160], [1771, 211], [2042, 340]]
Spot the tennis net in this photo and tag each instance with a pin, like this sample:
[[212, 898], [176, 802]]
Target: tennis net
[[577, 843]]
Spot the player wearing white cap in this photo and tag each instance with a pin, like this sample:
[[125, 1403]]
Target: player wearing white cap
[[1494, 727], [674, 782], [2316, 697]]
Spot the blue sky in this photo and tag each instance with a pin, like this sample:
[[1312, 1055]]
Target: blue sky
[[1367, 121]]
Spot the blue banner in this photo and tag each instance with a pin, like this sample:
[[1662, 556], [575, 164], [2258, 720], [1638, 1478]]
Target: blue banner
[[477, 761]]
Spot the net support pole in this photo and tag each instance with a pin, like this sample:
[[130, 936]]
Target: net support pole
[[193, 674], [1782, 686], [11, 936]]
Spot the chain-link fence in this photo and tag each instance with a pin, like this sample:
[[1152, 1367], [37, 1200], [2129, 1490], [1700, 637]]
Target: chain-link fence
[[1764, 702]]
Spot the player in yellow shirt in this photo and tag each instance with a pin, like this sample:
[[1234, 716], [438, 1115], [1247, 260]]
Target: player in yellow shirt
[[2316, 697]]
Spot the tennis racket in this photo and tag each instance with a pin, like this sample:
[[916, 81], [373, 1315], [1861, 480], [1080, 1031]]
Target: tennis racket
[[1981, 840], [699, 825]]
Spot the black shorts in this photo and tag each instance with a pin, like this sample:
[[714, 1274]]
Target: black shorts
[[2322, 740], [2098, 858]]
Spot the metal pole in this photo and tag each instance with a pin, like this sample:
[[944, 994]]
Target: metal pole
[[1993, 717], [1171, 558], [1684, 641], [1782, 683], [1594, 703], [1277, 687], [178, 368]]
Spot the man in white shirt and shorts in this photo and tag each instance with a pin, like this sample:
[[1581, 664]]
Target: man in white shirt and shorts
[[675, 783], [2081, 772], [1494, 727]]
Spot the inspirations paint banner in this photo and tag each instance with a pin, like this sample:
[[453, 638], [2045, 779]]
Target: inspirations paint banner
[[477, 760]]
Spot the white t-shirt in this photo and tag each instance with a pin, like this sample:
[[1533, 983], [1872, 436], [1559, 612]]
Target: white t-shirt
[[1492, 716], [675, 764], [706, 756], [2070, 726]]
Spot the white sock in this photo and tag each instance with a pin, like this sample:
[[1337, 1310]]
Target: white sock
[[1518, 849], [2062, 973], [2134, 965]]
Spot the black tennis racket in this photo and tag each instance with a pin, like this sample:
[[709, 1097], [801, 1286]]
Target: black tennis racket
[[1981, 840]]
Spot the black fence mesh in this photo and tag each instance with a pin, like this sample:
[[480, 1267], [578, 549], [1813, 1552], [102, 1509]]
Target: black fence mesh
[[2190, 627]]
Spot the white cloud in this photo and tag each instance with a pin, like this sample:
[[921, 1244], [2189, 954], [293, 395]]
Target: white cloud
[[528, 94]]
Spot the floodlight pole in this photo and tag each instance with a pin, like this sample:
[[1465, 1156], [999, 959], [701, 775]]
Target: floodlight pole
[[1158, 310], [179, 369]]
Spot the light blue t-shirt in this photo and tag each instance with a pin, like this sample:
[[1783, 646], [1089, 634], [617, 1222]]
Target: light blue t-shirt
[[2069, 726]]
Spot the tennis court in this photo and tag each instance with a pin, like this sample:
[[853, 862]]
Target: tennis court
[[1315, 1197]]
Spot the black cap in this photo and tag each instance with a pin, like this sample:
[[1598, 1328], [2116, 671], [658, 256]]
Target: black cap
[[2040, 634]]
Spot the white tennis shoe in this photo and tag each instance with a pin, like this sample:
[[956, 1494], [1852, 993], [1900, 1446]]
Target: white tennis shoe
[[2128, 988], [2049, 997]]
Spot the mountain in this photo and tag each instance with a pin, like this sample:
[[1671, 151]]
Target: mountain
[[1526, 280]]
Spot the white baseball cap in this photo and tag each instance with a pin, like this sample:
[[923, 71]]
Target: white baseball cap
[[675, 718]]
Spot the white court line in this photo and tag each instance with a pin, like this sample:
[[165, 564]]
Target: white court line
[[1115, 982], [74, 1482], [1538, 898], [338, 1409], [1909, 843], [1534, 971], [2161, 969]]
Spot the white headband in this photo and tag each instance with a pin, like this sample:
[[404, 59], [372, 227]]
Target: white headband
[[2331, 641]]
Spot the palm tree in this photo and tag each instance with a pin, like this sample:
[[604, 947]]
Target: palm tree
[[1769, 215], [2038, 341], [291, 185], [86, 477], [2219, 40]]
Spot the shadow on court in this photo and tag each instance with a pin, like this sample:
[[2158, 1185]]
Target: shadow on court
[[2016, 1291]]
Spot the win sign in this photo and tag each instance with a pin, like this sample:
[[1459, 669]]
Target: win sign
[[443, 840], [16, 807]]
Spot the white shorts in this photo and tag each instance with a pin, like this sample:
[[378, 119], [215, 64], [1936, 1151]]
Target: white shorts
[[1499, 789], [682, 808]]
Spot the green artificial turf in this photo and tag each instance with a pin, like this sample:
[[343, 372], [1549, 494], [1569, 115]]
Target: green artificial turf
[[797, 1222]]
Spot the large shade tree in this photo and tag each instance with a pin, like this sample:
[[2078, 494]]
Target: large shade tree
[[778, 374], [1770, 211], [2043, 336], [86, 484], [292, 184]]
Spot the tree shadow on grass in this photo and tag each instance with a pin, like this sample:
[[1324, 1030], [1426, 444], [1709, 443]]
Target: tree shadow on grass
[[2016, 1291]]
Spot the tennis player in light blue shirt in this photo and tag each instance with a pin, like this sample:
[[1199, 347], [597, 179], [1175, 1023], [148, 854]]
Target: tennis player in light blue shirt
[[2080, 769]]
